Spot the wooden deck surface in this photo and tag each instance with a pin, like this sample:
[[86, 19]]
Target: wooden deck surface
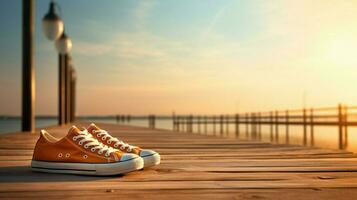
[[193, 167]]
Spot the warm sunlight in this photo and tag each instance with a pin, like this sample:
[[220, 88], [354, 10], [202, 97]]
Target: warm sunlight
[[342, 51]]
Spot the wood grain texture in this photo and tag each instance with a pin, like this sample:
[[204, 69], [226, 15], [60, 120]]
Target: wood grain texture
[[193, 166]]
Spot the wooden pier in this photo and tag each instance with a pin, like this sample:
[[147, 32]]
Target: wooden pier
[[193, 166]]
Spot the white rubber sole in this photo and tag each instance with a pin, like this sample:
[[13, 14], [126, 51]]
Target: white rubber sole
[[151, 160], [89, 169]]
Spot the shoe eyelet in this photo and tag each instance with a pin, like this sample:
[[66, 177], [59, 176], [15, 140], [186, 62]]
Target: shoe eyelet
[[68, 155], [80, 142], [85, 156], [92, 150], [100, 152], [115, 145], [86, 146], [104, 138], [109, 142], [60, 155], [74, 138], [107, 155], [122, 148], [98, 135]]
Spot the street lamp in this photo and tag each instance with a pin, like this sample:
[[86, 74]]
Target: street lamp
[[53, 29], [52, 24], [64, 44]]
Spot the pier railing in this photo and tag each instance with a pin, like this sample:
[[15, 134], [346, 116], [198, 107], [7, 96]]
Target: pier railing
[[250, 124], [341, 116]]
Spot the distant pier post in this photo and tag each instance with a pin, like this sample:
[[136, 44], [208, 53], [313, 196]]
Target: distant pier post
[[246, 120], [312, 139], [61, 89], [205, 118], [73, 95], [28, 67], [276, 126], [221, 124], [305, 128], [151, 119], [237, 124], [287, 127], [199, 124], [67, 69], [227, 124], [345, 120], [214, 124], [340, 127], [271, 126]]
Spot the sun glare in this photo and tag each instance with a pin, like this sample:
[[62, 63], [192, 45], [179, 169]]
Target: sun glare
[[343, 51]]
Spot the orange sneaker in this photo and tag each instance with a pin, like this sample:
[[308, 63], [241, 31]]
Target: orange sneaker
[[80, 153], [150, 157]]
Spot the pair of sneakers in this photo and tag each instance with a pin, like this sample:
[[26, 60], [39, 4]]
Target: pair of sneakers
[[91, 151]]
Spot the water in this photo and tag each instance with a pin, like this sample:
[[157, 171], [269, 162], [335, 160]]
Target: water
[[325, 137], [13, 124], [9, 125]]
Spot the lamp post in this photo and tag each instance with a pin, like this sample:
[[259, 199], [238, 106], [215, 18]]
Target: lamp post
[[28, 68], [53, 29], [73, 94], [64, 46]]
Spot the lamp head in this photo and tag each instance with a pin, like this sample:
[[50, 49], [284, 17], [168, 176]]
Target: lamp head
[[64, 44], [52, 24]]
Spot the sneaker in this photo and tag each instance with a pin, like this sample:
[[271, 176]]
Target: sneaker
[[151, 158], [80, 153]]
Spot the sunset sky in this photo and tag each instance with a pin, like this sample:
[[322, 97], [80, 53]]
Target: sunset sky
[[189, 56]]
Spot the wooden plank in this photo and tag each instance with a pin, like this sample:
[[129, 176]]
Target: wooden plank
[[193, 166]]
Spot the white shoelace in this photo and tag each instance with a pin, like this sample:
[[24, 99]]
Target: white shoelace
[[104, 134], [88, 140]]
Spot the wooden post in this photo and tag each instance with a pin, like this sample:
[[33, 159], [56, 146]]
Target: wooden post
[[174, 122], [67, 69], [260, 125], [312, 139], [253, 128], [214, 124], [205, 118], [227, 125], [340, 127], [199, 124], [305, 128], [149, 121], [345, 121], [182, 121], [237, 124], [276, 126], [271, 126], [191, 124], [287, 140], [61, 90], [251, 117], [221, 124], [246, 125], [73, 95], [28, 67], [154, 121]]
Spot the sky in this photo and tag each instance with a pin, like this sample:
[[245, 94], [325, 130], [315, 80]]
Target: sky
[[189, 56]]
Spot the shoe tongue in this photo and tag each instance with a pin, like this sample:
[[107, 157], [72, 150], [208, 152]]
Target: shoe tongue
[[92, 127], [73, 131]]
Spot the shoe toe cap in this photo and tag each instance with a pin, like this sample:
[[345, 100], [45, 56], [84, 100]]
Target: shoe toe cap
[[128, 156], [147, 152]]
